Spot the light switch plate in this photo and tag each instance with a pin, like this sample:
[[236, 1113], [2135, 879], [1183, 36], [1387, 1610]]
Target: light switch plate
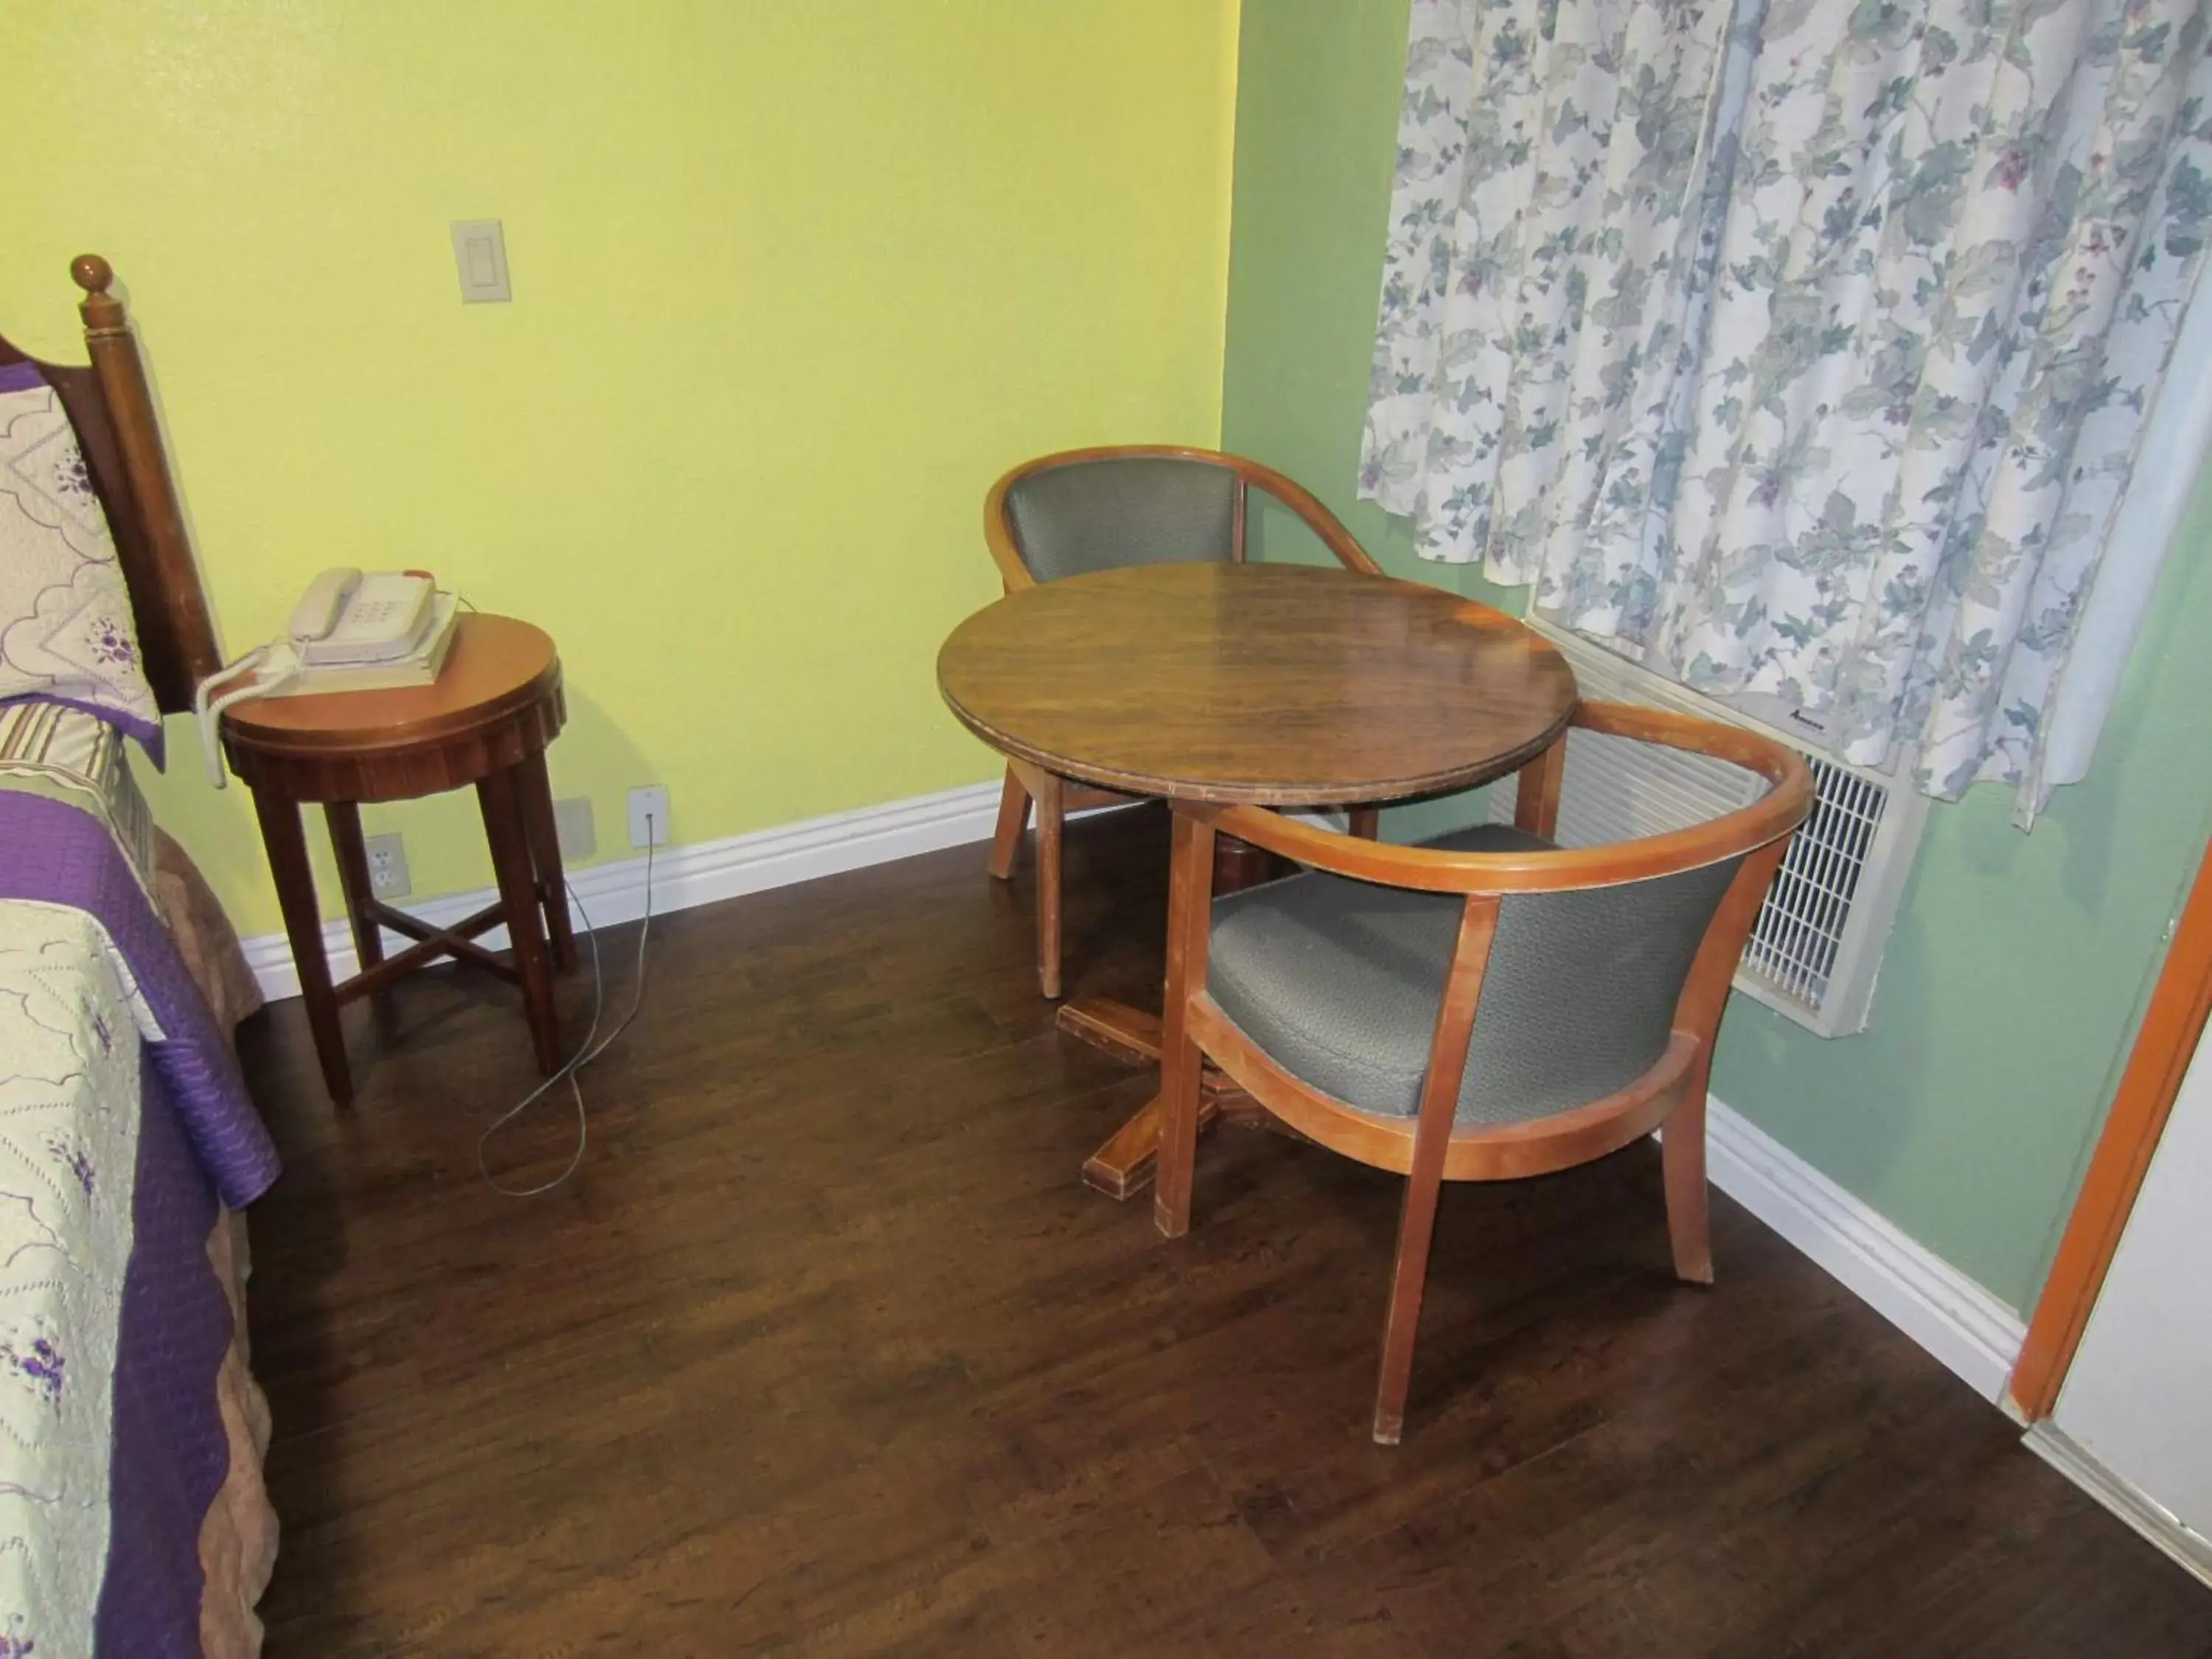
[[480, 251]]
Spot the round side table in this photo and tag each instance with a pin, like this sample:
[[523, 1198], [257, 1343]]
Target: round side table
[[487, 721]]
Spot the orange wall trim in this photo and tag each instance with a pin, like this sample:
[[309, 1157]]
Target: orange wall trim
[[2156, 1066]]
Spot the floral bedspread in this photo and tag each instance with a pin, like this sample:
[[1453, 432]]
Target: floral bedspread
[[71, 1027], [124, 1124]]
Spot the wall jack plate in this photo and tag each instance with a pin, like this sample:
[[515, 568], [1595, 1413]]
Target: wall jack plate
[[650, 801], [387, 866]]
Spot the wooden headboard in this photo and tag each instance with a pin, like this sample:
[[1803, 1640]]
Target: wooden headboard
[[112, 409]]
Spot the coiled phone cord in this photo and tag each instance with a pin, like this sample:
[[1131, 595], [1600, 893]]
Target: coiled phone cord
[[588, 1050]]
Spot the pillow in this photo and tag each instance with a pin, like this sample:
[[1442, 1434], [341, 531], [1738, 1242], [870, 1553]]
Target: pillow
[[66, 631]]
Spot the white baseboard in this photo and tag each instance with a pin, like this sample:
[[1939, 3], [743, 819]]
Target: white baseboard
[[1931, 1302], [1950, 1315], [703, 872], [2150, 1517]]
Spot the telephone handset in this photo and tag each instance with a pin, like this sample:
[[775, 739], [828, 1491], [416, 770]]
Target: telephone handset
[[347, 620], [350, 631]]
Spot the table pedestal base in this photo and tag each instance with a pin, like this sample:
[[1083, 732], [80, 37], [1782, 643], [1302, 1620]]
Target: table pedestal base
[[1124, 1166], [1128, 1034]]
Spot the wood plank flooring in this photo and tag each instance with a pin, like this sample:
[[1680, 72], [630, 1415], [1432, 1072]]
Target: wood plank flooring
[[826, 1351]]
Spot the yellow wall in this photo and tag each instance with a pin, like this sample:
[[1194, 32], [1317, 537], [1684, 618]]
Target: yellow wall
[[793, 282]]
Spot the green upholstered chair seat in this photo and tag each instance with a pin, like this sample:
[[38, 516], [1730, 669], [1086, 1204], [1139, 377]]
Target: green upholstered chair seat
[[1338, 981], [1125, 510]]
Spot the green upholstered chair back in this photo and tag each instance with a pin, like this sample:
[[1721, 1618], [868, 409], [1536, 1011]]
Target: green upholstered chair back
[[1125, 510]]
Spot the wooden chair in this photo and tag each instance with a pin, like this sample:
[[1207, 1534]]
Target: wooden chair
[[1484, 1006], [1100, 509]]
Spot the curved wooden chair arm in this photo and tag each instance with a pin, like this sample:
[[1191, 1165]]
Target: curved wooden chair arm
[[998, 533], [1775, 814], [1014, 571], [1309, 507]]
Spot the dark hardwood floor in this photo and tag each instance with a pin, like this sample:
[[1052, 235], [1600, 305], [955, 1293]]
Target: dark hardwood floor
[[826, 1351]]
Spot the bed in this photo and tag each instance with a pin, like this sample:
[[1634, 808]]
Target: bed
[[133, 1520]]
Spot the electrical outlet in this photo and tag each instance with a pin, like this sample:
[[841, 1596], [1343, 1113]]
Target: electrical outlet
[[649, 816], [572, 829], [387, 866]]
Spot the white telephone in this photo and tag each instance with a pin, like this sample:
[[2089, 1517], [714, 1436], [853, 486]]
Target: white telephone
[[347, 620], [350, 632]]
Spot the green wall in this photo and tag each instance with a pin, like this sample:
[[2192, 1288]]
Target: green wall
[[793, 282], [2014, 979]]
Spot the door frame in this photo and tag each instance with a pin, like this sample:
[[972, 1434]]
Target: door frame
[[2172, 1024]]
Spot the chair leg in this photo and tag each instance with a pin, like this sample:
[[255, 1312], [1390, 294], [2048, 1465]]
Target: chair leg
[[1013, 818], [1424, 1179], [1682, 1154], [1049, 819], [1364, 822], [1417, 1228]]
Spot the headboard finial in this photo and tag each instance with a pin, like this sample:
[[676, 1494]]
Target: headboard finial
[[102, 310]]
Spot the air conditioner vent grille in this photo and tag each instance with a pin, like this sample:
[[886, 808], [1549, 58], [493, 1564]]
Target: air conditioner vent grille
[[1818, 939], [1799, 934]]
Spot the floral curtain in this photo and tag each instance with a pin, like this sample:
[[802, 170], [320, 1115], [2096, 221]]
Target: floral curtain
[[1805, 352]]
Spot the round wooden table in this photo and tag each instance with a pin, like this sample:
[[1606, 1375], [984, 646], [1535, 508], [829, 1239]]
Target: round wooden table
[[1266, 685], [487, 720]]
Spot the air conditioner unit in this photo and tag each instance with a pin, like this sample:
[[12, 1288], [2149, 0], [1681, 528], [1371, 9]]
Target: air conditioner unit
[[1818, 942]]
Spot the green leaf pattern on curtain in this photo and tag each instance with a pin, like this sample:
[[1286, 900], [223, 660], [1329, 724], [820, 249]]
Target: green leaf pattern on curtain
[[1805, 355]]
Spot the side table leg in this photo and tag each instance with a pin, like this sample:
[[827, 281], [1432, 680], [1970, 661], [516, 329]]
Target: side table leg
[[303, 925], [344, 820], [499, 796], [545, 858]]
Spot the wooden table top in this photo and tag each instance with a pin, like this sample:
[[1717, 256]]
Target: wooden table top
[[496, 666], [1272, 685]]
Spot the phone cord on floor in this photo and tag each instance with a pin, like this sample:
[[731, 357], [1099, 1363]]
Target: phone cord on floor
[[586, 1051]]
